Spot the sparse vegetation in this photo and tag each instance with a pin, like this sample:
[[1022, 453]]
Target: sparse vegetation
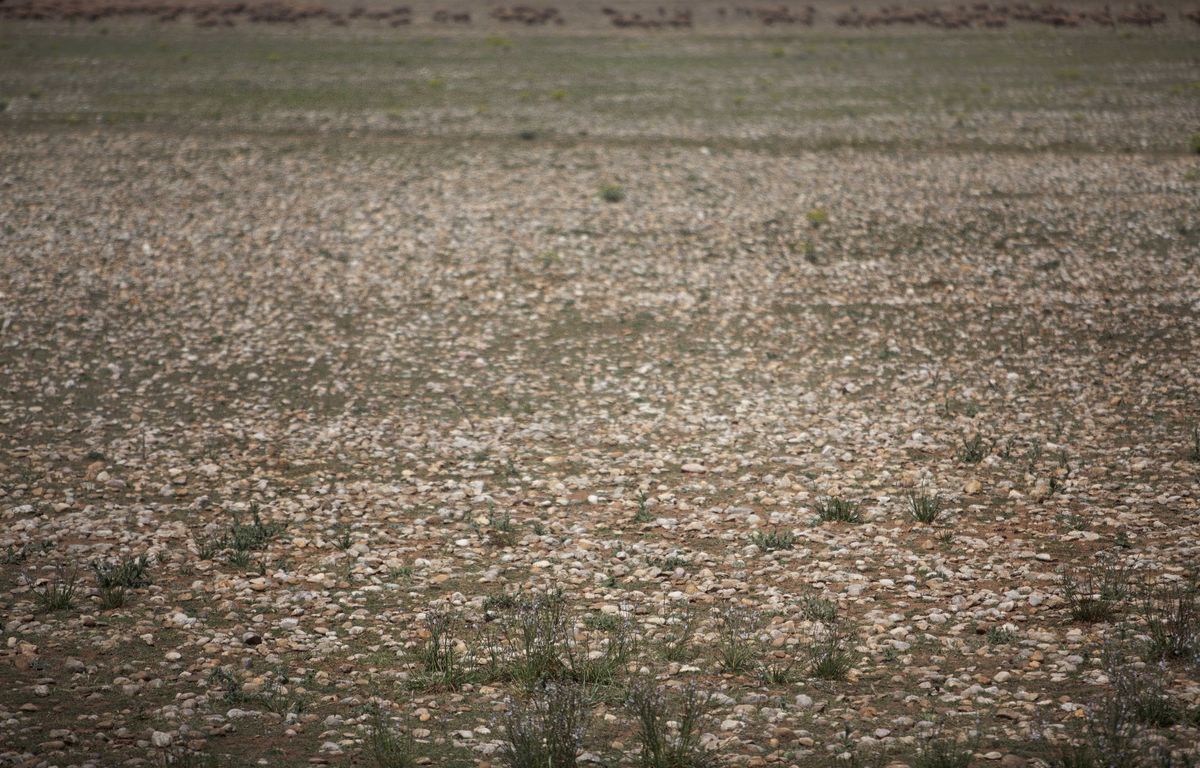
[[532, 439]]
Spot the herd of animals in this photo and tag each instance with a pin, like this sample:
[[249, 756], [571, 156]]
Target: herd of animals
[[217, 13]]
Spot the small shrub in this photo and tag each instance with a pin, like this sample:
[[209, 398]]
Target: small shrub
[[612, 193], [924, 507], [342, 540], [774, 540], [386, 747], [662, 745], [836, 509], [1196, 143], [817, 217], [547, 729], [58, 593], [1194, 451], [527, 134]]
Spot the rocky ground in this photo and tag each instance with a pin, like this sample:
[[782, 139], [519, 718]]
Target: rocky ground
[[330, 441]]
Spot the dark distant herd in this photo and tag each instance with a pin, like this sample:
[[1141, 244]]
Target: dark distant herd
[[226, 13]]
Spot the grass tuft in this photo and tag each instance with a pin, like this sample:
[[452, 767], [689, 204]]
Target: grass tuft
[[58, 593], [612, 193], [924, 507], [774, 540], [385, 746], [837, 510]]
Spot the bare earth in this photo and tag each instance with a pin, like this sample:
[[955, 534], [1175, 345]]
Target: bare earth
[[392, 350]]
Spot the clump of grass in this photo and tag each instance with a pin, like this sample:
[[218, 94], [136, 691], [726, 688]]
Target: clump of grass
[[238, 558], [643, 514], [252, 536], [385, 746], [1196, 143], [130, 572], [778, 672], [819, 609], [113, 596], [1194, 451], [600, 661], [273, 696], [243, 538], [736, 628], [774, 540], [547, 729], [58, 593], [817, 217], [533, 639], [828, 657], [501, 529], [444, 665], [1095, 592], [1170, 614], [612, 193], [974, 450], [1000, 636], [664, 746], [943, 752], [838, 510], [924, 507], [678, 633], [343, 540]]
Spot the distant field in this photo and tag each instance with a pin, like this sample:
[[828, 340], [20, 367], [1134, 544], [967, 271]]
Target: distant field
[[1030, 88]]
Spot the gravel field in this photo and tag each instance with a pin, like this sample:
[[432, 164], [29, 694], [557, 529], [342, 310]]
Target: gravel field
[[825, 398]]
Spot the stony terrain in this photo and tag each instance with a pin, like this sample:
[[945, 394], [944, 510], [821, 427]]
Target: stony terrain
[[351, 414]]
